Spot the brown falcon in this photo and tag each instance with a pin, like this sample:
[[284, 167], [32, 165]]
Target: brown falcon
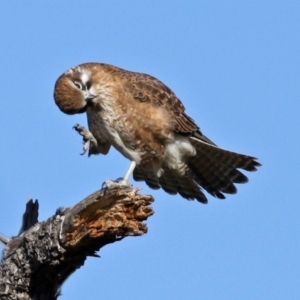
[[145, 121]]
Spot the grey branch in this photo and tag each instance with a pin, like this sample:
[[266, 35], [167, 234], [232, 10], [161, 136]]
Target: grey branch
[[30, 216], [4, 239], [36, 263]]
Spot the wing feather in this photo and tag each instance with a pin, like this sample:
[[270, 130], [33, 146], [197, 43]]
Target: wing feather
[[172, 183], [103, 145], [212, 168], [216, 169], [146, 88]]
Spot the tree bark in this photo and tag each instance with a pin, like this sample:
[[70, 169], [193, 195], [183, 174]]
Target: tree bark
[[44, 254]]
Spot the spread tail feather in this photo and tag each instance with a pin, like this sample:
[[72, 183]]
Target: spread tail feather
[[215, 169], [172, 183], [212, 168]]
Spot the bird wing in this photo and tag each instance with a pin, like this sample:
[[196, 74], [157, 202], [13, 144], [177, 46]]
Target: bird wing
[[146, 88], [212, 168], [103, 145], [216, 169], [172, 183]]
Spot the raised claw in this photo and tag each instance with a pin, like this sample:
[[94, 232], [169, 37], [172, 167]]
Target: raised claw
[[87, 137]]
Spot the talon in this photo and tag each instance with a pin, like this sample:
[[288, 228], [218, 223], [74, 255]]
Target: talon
[[104, 185], [86, 147], [119, 180], [87, 137]]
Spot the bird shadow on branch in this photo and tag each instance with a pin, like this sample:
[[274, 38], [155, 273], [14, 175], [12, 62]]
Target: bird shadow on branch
[[44, 254]]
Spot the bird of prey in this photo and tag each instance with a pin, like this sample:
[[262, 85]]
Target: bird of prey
[[144, 120]]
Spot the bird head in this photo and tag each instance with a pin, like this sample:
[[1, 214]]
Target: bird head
[[71, 91]]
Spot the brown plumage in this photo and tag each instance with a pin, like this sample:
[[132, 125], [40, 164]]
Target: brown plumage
[[144, 120]]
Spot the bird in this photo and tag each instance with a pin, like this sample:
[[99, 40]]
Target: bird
[[143, 119]]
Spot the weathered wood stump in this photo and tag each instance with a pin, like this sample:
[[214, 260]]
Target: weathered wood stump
[[44, 254]]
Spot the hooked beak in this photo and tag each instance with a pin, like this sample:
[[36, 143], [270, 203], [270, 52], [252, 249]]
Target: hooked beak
[[89, 97], [88, 101]]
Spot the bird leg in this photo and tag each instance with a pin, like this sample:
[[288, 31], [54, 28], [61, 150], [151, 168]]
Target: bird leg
[[87, 137], [129, 172], [121, 181]]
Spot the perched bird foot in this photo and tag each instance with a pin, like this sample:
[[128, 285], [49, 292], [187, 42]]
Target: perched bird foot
[[114, 183], [89, 140]]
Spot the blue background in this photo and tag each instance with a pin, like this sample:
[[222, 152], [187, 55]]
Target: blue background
[[235, 66]]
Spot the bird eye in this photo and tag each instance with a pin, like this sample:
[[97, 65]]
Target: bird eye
[[78, 85]]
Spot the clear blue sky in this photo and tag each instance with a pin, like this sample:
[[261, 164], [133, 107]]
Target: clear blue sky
[[235, 66]]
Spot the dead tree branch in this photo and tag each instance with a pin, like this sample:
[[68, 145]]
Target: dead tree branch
[[37, 262]]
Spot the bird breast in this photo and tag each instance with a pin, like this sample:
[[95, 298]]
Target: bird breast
[[141, 131], [138, 130]]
